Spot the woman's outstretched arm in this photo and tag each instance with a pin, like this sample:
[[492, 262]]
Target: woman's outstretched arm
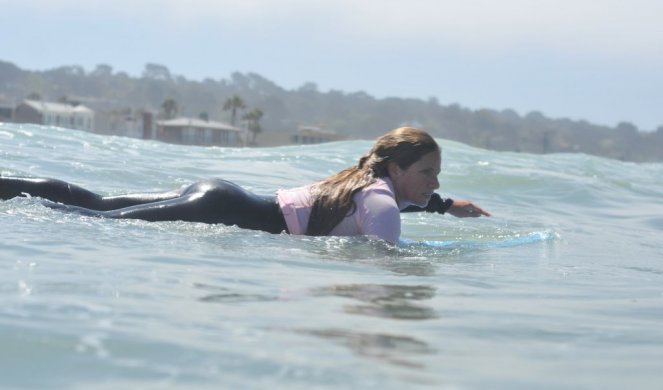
[[436, 204], [458, 208], [462, 208]]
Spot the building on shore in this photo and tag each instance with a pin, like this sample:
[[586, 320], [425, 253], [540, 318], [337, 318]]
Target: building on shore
[[6, 112], [66, 115], [314, 135], [194, 131], [126, 123]]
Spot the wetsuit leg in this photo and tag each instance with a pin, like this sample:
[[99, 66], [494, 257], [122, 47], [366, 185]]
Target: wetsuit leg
[[211, 201], [70, 194], [54, 190], [127, 200]]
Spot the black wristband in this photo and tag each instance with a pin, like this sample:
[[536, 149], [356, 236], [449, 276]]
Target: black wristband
[[447, 205], [435, 205], [438, 205]]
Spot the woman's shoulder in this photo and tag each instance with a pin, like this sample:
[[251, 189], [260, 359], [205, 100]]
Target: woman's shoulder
[[381, 184], [377, 213], [380, 192]]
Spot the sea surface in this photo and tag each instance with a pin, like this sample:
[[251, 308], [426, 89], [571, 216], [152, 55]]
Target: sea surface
[[561, 289]]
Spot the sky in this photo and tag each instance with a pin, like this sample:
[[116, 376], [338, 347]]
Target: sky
[[600, 61]]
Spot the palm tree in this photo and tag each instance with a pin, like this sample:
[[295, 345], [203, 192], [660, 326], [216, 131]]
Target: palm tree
[[253, 122], [233, 104], [169, 108]]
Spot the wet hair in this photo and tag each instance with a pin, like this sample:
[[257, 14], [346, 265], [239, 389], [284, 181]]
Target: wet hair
[[333, 196]]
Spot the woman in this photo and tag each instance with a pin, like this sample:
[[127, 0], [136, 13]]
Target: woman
[[398, 174]]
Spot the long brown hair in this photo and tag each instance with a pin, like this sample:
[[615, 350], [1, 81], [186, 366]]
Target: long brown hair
[[333, 196]]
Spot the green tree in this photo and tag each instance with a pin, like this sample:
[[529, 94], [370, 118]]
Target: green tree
[[102, 70], [156, 72], [233, 104], [253, 118], [169, 107]]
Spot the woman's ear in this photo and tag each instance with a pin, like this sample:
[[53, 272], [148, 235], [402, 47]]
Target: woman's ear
[[393, 169]]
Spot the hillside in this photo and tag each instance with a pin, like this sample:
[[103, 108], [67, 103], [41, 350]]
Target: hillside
[[355, 114]]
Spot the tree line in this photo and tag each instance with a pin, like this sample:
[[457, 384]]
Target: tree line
[[354, 114]]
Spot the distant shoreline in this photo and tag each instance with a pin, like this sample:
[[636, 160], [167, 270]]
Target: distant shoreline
[[118, 98]]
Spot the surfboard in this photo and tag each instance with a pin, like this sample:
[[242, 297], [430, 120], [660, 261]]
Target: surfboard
[[517, 240]]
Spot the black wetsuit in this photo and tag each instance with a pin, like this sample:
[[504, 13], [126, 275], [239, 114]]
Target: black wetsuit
[[209, 201]]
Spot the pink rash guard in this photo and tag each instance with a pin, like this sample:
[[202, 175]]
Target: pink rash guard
[[377, 214]]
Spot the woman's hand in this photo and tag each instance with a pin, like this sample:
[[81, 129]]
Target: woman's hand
[[465, 208]]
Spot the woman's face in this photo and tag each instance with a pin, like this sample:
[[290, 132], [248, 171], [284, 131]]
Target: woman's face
[[416, 184]]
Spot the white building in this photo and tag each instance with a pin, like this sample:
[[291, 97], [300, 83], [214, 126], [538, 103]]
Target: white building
[[193, 131], [315, 135], [55, 114]]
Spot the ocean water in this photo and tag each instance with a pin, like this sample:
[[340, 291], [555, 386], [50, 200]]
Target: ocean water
[[561, 289]]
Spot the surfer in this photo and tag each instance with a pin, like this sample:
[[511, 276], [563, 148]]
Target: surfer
[[398, 174]]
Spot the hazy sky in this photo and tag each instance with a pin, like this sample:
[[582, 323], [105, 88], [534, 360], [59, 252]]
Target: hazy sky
[[601, 61]]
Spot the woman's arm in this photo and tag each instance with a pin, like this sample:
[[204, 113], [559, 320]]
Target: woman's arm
[[436, 204], [465, 208], [458, 208]]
